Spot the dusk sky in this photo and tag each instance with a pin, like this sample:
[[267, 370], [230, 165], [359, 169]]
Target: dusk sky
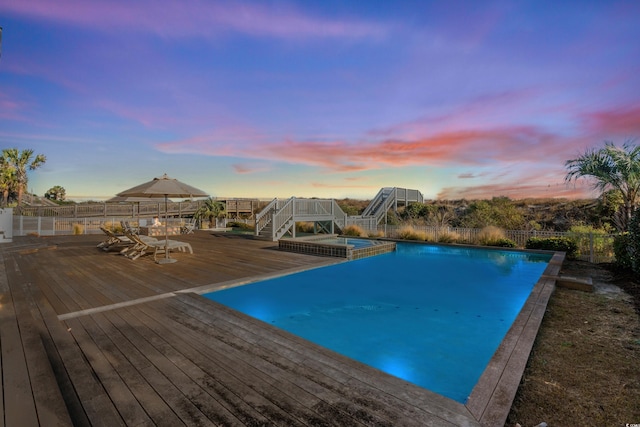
[[458, 99]]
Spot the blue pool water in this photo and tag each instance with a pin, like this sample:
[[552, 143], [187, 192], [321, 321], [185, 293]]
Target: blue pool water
[[431, 315]]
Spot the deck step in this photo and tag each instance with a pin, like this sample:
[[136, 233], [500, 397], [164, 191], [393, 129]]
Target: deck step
[[579, 283]]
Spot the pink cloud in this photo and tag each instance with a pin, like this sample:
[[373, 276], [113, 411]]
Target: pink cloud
[[520, 183], [10, 107], [243, 168], [195, 18], [472, 147], [343, 186], [622, 121], [467, 176], [514, 192]]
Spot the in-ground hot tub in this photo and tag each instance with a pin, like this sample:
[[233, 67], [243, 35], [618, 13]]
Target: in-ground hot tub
[[342, 247]]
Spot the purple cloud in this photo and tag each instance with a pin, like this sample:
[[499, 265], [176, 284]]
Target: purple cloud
[[202, 18]]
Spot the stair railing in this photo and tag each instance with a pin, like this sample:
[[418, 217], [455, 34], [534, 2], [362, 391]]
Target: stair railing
[[263, 218], [281, 218]]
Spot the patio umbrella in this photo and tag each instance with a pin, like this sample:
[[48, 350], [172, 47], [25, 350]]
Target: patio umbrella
[[164, 187]]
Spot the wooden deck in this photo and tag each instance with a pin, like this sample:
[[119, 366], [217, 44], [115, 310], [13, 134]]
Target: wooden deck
[[91, 338]]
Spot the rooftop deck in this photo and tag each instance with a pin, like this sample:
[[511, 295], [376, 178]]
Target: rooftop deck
[[92, 338]]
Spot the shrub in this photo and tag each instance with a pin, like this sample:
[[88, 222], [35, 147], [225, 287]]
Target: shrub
[[621, 250], [409, 233], [78, 229], [633, 243], [305, 227], [585, 235], [489, 235], [560, 244], [116, 227], [503, 243], [448, 237], [241, 226], [494, 236], [377, 233], [353, 230]]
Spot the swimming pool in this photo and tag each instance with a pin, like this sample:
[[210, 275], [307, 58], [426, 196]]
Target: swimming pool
[[432, 315]]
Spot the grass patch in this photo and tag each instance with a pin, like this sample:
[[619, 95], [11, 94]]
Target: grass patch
[[409, 233], [354, 231], [584, 368]]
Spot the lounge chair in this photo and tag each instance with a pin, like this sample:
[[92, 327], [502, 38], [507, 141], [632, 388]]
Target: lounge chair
[[145, 244], [112, 239], [159, 247], [139, 245], [126, 226], [188, 227]]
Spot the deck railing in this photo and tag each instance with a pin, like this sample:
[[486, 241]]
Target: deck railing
[[51, 225], [86, 210]]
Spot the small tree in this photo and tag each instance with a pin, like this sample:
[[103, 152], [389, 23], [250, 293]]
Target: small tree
[[7, 180], [20, 161], [611, 167], [56, 193], [209, 210]]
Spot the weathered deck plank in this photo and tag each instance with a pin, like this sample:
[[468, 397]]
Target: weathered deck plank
[[271, 368], [183, 359], [33, 396]]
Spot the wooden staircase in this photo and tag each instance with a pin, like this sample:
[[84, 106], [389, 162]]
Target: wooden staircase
[[279, 217]]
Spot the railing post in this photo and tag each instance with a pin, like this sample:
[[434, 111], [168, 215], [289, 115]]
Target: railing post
[[591, 251]]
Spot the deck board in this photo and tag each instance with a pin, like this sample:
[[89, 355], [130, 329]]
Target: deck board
[[138, 346]]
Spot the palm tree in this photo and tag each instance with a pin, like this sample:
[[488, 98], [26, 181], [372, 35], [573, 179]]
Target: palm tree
[[611, 168], [20, 161], [7, 180], [210, 209]]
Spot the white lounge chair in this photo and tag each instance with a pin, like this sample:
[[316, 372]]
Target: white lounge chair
[[112, 239]]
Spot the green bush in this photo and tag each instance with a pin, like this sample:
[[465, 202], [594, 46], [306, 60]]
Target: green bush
[[502, 243], [621, 250], [633, 242], [559, 244], [241, 226], [586, 235]]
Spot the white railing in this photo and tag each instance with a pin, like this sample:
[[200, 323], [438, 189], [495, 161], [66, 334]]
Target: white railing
[[592, 247], [388, 197], [51, 225], [86, 210], [264, 217], [281, 217]]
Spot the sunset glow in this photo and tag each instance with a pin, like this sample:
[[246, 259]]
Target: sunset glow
[[329, 98]]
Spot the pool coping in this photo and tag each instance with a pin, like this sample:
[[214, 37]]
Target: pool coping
[[491, 399]]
